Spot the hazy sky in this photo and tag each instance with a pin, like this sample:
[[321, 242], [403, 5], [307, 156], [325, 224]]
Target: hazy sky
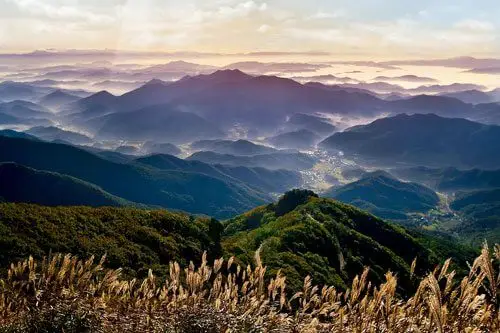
[[386, 28]]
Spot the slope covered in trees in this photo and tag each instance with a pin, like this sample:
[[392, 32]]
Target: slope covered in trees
[[23, 184], [174, 189], [385, 196], [302, 234], [133, 239]]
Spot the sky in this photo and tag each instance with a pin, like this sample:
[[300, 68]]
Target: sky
[[351, 28]]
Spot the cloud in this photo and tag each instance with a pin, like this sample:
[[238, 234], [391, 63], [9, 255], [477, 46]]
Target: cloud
[[324, 15], [372, 64], [384, 87], [238, 10], [255, 67], [263, 28], [237, 26], [327, 78], [456, 62], [44, 9], [475, 25]]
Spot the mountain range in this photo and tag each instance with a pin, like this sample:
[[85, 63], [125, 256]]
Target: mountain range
[[319, 125], [273, 161], [57, 99], [156, 123], [451, 179], [238, 147], [194, 192], [52, 133], [421, 139], [229, 97], [223, 99], [301, 139]]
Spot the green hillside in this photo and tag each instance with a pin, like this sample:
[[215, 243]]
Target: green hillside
[[480, 211], [331, 241], [260, 179], [385, 196], [133, 239], [23, 184], [174, 189]]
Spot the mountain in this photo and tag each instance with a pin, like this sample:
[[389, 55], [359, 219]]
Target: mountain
[[57, 99], [464, 199], [264, 102], [385, 196], [6, 119], [117, 85], [273, 161], [151, 147], [421, 139], [128, 150], [157, 123], [481, 215], [133, 239], [337, 87], [261, 179], [25, 110], [238, 147], [159, 92], [319, 125], [52, 133], [496, 94], [439, 105], [10, 91], [451, 179], [471, 96], [487, 113], [406, 78], [301, 139], [302, 234], [193, 192], [95, 105], [227, 97], [14, 134], [23, 184], [261, 103]]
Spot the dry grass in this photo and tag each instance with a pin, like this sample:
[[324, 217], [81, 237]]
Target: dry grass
[[64, 294]]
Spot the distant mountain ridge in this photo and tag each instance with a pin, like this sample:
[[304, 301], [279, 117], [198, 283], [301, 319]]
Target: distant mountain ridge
[[193, 192], [300, 139], [154, 123], [260, 179], [52, 133], [227, 97], [58, 99], [422, 139], [278, 160], [238, 147], [451, 179]]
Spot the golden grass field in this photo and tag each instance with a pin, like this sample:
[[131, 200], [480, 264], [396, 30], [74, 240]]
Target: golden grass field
[[65, 294]]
